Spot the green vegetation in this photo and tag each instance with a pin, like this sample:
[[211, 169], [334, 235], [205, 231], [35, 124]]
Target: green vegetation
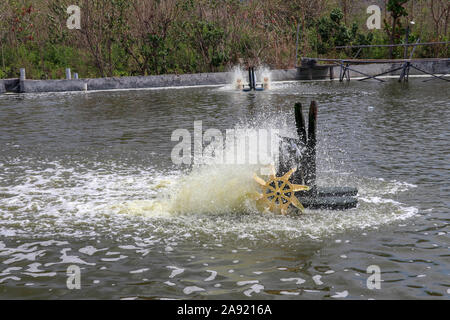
[[143, 37]]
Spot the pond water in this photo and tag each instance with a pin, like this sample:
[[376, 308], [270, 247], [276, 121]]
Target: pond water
[[86, 179]]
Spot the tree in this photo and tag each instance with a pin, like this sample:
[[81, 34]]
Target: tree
[[146, 41], [345, 5], [397, 10], [102, 21], [440, 12]]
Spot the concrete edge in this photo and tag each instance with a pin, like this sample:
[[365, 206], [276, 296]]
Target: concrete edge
[[11, 85], [35, 86], [171, 80], [198, 79]]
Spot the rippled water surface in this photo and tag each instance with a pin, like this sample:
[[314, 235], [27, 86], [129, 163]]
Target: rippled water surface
[[87, 180]]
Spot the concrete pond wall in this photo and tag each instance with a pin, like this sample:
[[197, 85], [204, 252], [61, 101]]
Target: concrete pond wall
[[9, 85], [199, 79]]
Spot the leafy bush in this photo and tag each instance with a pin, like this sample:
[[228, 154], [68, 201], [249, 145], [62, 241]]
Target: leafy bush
[[333, 32]]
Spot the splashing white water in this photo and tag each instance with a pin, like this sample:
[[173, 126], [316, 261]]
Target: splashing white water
[[238, 78], [263, 76], [215, 189], [210, 200]]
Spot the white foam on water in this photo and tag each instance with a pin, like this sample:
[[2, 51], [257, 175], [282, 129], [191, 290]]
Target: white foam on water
[[175, 271], [192, 289], [243, 283], [7, 232], [130, 247], [212, 276], [297, 280], [42, 274], [14, 278], [121, 257], [90, 250], [66, 259], [342, 294], [7, 271], [110, 253], [34, 267], [21, 256], [289, 293], [317, 280], [256, 288], [140, 270]]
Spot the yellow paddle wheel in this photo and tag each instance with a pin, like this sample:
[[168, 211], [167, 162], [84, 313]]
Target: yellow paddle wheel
[[278, 193]]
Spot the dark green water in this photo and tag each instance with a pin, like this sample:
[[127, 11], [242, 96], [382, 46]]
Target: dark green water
[[85, 179]]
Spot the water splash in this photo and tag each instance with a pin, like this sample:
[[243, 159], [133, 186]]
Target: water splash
[[263, 75], [209, 201], [218, 189], [238, 78]]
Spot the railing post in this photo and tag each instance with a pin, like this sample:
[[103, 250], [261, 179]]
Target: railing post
[[22, 74], [22, 79], [68, 74]]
